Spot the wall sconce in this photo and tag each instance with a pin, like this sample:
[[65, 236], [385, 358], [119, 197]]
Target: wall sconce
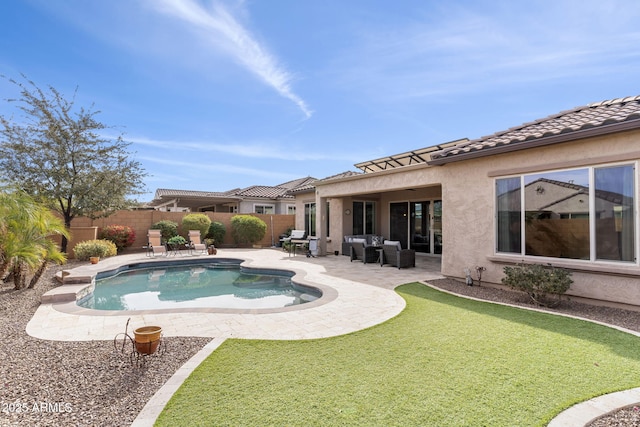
[[347, 211]]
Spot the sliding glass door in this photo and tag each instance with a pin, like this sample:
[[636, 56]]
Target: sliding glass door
[[417, 225]]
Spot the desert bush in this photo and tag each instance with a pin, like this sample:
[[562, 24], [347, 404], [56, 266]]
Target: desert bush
[[90, 248], [544, 285], [216, 231], [247, 229], [167, 228], [122, 236], [196, 221]]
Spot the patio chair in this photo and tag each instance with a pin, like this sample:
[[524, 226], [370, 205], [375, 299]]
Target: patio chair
[[195, 244], [392, 253], [359, 250], [155, 246]]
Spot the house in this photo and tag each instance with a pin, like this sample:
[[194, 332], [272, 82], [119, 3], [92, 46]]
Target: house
[[562, 190], [259, 199]]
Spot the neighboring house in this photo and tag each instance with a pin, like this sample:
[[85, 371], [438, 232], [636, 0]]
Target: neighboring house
[[259, 199], [562, 190]]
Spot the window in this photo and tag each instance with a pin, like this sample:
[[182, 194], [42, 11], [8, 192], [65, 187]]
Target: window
[[291, 209], [364, 217], [615, 206], [310, 218], [585, 213], [328, 223], [509, 215], [264, 209]]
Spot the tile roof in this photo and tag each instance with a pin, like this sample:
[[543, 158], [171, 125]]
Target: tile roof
[[311, 185], [297, 182], [599, 118], [164, 192], [263, 191], [257, 191]]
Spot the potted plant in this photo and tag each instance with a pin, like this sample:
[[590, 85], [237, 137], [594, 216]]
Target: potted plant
[[147, 339], [211, 249], [176, 241]]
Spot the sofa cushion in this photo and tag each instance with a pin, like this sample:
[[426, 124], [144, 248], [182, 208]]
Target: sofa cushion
[[393, 242]]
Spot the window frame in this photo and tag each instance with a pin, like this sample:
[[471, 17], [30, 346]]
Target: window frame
[[368, 218], [593, 217], [264, 205], [310, 218]]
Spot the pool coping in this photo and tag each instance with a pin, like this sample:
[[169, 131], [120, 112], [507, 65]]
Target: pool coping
[[80, 281], [348, 306]]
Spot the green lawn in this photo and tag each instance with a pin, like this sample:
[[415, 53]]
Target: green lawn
[[444, 361]]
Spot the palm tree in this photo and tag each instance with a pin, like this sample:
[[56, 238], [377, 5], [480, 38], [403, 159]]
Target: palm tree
[[26, 229], [48, 248]]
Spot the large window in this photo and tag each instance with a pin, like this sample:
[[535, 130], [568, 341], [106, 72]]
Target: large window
[[364, 217], [585, 213]]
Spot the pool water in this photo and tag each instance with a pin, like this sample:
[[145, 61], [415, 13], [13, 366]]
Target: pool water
[[197, 286]]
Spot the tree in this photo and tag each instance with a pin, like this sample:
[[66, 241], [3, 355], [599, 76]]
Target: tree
[[59, 154], [26, 228]]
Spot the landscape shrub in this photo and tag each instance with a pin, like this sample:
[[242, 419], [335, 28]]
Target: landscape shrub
[[247, 229], [196, 221], [167, 228], [177, 241], [544, 285], [92, 248], [216, 231], [122, 236]]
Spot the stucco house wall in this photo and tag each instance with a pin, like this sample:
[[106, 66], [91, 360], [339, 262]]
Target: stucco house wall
[[469, 221], [467, 191], [411, 183], [575, 224]]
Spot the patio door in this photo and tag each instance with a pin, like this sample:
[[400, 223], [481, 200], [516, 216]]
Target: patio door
[[420, 227], [399, 223], [417, 225], [436, 227]]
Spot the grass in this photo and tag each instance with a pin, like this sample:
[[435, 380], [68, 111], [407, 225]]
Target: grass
[[444, 361]]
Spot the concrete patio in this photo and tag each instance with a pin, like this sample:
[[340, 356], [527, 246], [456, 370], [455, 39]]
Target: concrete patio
[[361, 295]]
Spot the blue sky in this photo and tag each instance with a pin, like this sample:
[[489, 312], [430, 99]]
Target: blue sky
[[215, 95]]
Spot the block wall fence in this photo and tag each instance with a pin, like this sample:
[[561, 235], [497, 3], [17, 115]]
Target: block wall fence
[[83, 228]]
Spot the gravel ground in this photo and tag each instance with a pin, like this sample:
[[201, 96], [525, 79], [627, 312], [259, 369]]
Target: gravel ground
[[88, 383], [628, 417]]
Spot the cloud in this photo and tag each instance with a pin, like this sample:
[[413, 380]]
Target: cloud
[[260, 150], [218, 26], [197, 170]]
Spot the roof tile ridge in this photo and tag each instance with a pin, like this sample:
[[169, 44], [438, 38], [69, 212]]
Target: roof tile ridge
[[609, 102], [546, 119]]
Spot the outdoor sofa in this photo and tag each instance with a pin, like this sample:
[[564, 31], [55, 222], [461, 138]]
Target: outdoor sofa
[[369, 240]]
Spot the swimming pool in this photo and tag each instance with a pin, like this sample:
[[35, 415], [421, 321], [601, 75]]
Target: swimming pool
[[202, 285]]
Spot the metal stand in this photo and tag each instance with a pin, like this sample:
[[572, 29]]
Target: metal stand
[[125, 345]]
